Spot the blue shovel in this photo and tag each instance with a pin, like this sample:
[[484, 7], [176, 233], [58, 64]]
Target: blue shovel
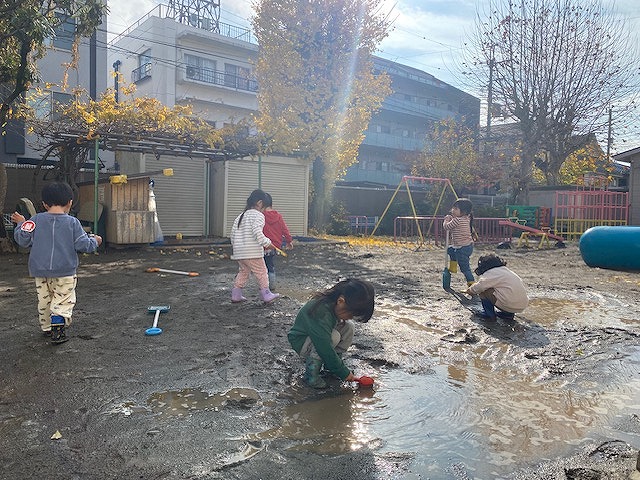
[[155, 330]]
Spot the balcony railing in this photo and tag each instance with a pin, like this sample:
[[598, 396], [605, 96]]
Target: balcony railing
[[215, 77], [167, 11], [389, 140], [140, 73]]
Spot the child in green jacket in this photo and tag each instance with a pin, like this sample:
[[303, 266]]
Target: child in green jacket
[[323, 329]]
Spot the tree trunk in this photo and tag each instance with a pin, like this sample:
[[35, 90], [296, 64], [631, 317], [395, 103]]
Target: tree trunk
[[3, 196], [6, 244], [318, 216], [524, 179]]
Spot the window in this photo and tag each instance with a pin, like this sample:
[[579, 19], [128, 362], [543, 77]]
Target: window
[[59, 100], [144, 57], [144, 67], [47, 105], [41, 104], [383, 129], [202, 69], [64, 33], [236, 76]]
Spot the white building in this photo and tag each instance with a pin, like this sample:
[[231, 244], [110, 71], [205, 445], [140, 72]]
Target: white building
[[207, 65]]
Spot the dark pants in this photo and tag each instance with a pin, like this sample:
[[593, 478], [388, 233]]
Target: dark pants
[[462, 255], [488, 299], [269, 261]]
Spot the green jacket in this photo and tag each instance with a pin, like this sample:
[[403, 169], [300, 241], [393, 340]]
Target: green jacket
[[318, 327]]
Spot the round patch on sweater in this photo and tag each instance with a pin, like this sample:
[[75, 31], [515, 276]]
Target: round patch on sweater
[[28, 226]]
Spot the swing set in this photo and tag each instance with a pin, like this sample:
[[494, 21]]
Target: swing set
[[408, 180]]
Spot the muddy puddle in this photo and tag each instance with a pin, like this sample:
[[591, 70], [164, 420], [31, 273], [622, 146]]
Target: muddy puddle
[[474, 414], [487, 422], [470, 413]]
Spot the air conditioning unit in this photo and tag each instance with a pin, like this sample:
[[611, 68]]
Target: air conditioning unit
[[192, 72]]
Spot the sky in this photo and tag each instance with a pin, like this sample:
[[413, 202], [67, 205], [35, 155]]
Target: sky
[[426, 34]]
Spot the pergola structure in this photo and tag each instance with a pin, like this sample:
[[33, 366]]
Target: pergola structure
[[240, 147]]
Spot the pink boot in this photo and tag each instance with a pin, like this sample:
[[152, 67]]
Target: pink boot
[[236, 295], [267, 296]]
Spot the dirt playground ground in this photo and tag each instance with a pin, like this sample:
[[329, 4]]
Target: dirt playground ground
[[195, 402]]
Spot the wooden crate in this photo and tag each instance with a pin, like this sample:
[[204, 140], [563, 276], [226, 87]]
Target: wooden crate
[[133, 195], [128, 219], [130, 227]]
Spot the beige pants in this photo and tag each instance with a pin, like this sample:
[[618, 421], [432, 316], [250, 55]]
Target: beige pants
[[56, 296], [489, 294], [341, 339]]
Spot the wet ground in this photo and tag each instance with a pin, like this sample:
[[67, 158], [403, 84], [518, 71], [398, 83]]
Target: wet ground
[[555, 394]]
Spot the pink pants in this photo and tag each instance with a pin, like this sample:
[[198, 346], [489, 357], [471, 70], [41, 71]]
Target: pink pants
[[255, 266]]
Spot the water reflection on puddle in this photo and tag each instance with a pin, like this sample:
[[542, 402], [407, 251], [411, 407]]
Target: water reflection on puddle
[[547, 311], [327, 425], [491, 422], [587, 309]]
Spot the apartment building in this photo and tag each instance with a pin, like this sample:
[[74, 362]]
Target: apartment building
[[398, 131], [180, 55], [187, 57]]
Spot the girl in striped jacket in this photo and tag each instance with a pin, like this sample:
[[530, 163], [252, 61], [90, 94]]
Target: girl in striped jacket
[[249, 244], [459, 225]]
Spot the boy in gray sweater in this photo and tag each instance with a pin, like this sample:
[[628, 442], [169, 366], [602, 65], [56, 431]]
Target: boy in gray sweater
[[55, 237]]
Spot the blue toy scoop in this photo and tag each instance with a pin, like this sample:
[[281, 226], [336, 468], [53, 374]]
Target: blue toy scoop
[[155, 330]]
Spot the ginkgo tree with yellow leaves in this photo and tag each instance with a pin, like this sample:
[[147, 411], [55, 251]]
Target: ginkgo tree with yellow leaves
[[589, 160], [318, 89]]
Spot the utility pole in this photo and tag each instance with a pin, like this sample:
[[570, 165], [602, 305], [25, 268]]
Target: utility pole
[[116, 78], [490, 96], [609, 139]]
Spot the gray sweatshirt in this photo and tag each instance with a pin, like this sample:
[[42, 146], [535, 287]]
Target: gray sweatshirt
[[55, 239]]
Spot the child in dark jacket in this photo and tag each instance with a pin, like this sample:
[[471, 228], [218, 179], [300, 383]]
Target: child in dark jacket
[[276, 230], [55, 237], [322, 331]]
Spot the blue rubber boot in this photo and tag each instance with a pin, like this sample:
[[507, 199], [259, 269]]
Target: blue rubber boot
[[58, 334]]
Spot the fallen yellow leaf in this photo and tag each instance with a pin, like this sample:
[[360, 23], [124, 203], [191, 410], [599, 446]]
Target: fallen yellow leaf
[[56, 436]]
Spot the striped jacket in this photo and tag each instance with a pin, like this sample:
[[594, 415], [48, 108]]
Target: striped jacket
[[460, 229], [247, 239]]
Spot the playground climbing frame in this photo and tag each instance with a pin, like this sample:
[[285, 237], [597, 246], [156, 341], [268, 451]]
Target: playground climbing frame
[[577, 211]]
